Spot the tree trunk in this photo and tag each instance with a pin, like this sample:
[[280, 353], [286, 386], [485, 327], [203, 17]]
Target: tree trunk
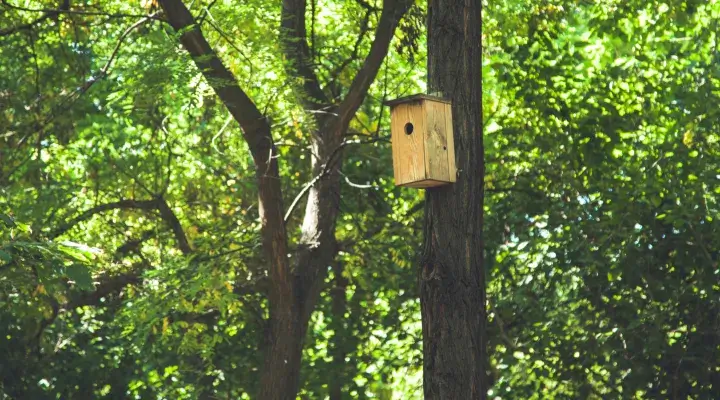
[[293, 291], [340, 345], [452, 280]]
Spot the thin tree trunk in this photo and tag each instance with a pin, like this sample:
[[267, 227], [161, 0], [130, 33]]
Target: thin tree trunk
[[340, 342], [452, 283]]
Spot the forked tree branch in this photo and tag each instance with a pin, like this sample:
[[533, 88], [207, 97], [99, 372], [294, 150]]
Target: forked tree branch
[[393, 11], [256, 129], [317, 230], [157, 204], [331, 163], [118, 205], [364, 28], [326, 168], [106, 286], [291, 296], [293, 36], [256, 132]]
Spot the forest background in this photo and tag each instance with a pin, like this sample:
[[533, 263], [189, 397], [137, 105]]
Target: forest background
[[135, 226]]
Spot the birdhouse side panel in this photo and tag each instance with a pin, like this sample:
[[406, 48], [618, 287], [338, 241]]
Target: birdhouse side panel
[[436, 141], [452, 169], [407, 127]]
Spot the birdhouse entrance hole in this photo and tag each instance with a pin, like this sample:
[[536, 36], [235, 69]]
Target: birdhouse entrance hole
[[409, 128]]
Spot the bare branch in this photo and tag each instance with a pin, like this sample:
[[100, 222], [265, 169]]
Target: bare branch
[[133, 244], [323, 173], [67, 10], [122, 204], [107, 285], [358, 185], [158, 204], [171, 219]]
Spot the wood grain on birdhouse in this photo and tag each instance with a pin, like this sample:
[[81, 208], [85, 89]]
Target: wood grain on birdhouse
[[422, 141]]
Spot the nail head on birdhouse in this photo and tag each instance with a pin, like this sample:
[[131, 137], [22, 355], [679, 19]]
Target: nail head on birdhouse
[[422, 141]]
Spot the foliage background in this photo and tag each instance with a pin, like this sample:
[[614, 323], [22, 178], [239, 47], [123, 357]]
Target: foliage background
[[603, 155]]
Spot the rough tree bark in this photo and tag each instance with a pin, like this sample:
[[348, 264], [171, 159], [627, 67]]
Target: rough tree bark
[[294, 288], [452, 283]]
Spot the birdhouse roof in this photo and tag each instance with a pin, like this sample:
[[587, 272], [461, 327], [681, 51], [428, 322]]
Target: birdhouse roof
[[416, 98]]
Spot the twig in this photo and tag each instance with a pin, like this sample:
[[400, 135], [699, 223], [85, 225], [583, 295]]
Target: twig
[[79, 91], [104, 70], [326, 169], [67, 10], [225, 125], [364, 28], [64, 6], [201, 19], [359, 186], [230, 42]]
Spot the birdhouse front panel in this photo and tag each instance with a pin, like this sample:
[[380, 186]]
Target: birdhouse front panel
[[422, 141], [407, 126]]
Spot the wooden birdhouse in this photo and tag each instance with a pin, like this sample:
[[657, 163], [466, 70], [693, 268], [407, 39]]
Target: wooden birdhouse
[[422, 141]]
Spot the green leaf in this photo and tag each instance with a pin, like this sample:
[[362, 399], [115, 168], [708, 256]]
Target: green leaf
[[7, 220], [80, 275], [79, 251], [4, 256]]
